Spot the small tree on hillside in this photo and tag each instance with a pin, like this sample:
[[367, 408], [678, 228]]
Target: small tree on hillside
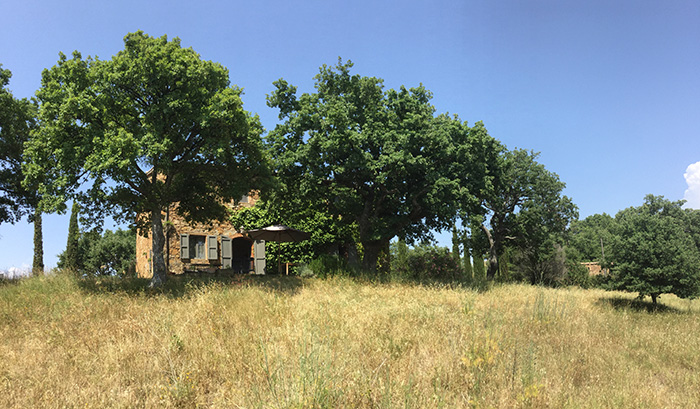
[[655, 252]]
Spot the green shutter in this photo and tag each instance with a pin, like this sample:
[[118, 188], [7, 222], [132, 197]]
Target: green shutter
[[226, 252], [259, 254], [185, 246], [212, 248]]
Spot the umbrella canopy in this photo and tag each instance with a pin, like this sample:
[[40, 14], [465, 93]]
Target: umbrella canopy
[[278, 232]]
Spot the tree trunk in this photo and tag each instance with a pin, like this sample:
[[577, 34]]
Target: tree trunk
[[158, 242], [353, 257], [38, 264], [372, 250], [71, 260], [493, 255], [653, 298]]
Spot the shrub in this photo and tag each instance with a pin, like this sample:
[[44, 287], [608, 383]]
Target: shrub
[[326, 265], [428, 262]]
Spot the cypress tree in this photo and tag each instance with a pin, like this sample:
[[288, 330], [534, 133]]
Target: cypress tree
[[455, 245], [479, 267], [71, 262], [468, 271]]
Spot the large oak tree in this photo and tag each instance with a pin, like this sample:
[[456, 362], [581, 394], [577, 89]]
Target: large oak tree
[[153, 126], [373, 158], [523, 206]]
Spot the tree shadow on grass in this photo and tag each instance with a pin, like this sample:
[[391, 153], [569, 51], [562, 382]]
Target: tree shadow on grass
[[637, 305], [181, 286]]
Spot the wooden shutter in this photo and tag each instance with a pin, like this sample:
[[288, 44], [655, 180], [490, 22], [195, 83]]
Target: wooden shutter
[[226, 252], [259, 254], [212, 248], [185, 246]]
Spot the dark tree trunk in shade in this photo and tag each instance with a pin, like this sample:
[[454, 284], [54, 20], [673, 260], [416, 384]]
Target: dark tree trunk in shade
[[38, 264], [158, 241]]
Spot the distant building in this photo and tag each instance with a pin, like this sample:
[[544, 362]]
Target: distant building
[[594, 268]]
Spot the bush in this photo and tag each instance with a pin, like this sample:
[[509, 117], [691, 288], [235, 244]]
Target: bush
[[325, 265], [577, 274], [111, 253], [426, 262]]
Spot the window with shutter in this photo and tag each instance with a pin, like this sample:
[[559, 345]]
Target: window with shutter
[[197, 246]]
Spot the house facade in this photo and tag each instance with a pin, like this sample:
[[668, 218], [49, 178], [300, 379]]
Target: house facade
[[594, 268], [200, 247]]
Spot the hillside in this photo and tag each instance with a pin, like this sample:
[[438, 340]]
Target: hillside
[[290, 342]]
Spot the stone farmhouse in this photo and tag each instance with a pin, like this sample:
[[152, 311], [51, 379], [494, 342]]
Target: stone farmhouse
[[218, 246]]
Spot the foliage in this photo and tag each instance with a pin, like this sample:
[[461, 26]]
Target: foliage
[[549, 267], [455, 245], [324, 231], [107, 254], [327, 265], [588, 238], [424, 262], [525, 209], [399, 257], [578, 275], [153, 126], [17, 119], [479, 267], [655, 251], [372, 158]]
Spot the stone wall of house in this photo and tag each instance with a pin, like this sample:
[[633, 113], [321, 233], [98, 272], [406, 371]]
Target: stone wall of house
[[594, 268], [173, 229]]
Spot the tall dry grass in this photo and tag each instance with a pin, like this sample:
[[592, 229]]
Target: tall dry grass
[[298, 343]]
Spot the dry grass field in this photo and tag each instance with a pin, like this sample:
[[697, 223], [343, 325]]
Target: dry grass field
[[279, 342]]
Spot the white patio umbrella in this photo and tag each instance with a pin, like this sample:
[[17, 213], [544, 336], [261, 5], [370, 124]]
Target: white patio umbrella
[[279, 233]]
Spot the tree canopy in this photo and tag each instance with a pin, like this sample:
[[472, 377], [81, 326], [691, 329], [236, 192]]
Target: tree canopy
[[17, 119], [655, 251], [153, 126], [589, 238], [374, 158], [522, 205]]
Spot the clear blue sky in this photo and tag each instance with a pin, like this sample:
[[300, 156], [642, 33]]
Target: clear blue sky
[[607, 91]]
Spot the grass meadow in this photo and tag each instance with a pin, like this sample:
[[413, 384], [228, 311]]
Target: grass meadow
[[288, 342]]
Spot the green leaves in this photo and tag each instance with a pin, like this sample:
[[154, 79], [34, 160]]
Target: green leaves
[[378, 159], [655, 251], [154, 125], [17, 120], [156, 106]]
